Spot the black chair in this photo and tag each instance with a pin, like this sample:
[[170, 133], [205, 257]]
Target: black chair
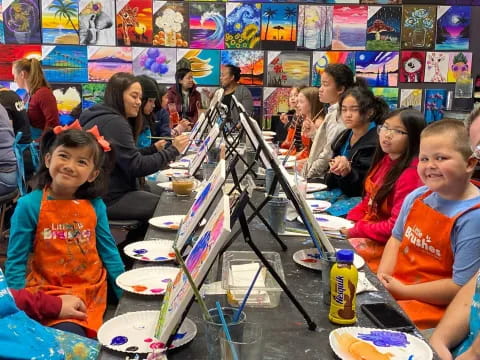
[[123, 226], [6, 202]]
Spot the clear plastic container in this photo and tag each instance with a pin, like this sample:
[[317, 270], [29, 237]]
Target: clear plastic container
[[238, 270]]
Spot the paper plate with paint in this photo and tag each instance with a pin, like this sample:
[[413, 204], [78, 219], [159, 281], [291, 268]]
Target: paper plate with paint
[[318, 205], [310, 258], [170, 172], [133, 332], [167, 185], [331, 222], [169, 222], [152, 280], [268, 137], [313, 187], [151, 250], [269, 133], [181, 164], [350, 343]]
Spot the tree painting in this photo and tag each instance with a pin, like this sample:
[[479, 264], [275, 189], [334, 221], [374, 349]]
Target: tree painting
[[268, 14], [315, 27], [291, 13], [66, 9], [279, 26]]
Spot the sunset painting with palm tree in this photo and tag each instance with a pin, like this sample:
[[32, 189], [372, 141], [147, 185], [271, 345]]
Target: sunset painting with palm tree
[[279, 26], [60, 22]]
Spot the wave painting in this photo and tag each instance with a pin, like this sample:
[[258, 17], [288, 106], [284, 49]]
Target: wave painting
[[207, 26]]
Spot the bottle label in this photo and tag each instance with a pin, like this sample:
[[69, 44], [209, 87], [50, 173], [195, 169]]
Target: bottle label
[[340, 290]]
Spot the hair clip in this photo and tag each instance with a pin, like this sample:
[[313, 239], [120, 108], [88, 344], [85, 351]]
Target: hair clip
[[94, 131]]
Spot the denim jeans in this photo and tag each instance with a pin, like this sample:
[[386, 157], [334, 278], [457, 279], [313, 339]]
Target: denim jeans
[[8, 182]]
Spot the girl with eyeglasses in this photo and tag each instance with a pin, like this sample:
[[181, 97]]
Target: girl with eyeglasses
[[392, 176]]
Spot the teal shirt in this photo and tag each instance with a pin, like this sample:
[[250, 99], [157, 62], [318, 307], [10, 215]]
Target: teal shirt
[[22, 233]]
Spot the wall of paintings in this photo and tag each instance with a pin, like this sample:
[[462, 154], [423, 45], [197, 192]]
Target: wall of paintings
[[410, 52]]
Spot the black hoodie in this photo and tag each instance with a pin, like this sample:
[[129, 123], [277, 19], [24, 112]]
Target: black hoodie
[[361, 156], [130, 162]]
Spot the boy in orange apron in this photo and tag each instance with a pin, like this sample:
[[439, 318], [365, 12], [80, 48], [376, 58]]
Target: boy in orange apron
[[61, 228], [435, 245]]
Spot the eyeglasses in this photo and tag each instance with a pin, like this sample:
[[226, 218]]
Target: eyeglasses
[[394, 132], [476, 152]]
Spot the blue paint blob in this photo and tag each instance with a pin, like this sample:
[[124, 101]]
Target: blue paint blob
[[385, 338], [119, 340], [161, 258], [410, 357], [168, 223], [140, 251], [179, 336], [166, 280], [132, 348], [315, 256], [321, 219]]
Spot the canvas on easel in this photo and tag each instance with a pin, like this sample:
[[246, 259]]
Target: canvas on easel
[[179, 292], [205, 195], [207, 143]]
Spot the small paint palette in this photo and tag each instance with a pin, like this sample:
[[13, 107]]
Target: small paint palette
[[331, 222], [310, 258], [133, 332], [183, 163], [169, 222], [377, 344], [151, 250], [318, 205], [151, 280]]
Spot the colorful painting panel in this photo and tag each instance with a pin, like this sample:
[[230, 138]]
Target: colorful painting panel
[[69, 98], [170, 23], [377, 68], [10, 53], [315, 24], [453, 27], [383, 28], [92, 94], [158, 63], [349, 25], [65, 63], [459, 63], [288, 69], [390, 95], [21, 21], [249, 62], [418, 27], [103, 62], [275, 100], [411, 98], [205, 64], [2, 31], [385, 2], [436, 67], [435, 104], [412, 66], [179, 292], [207, 26], [97, 22], [279, 26], [320, 59], [242, 26], [134, 22], [60, 22]]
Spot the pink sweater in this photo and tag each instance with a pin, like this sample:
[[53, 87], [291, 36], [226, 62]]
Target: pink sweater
[[382, 230]]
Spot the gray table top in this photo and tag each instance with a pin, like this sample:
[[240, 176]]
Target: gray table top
[[285, 331]]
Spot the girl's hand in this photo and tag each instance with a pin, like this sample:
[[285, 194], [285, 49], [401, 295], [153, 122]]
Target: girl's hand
[[308, 127], [160, 144], [470, 354], [284, 118], [183, 125], [340, 166], [72, 308], [394, 286], [344, 231], [180, 142]]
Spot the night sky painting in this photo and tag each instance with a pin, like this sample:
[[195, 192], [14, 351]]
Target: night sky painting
[[383, 27], [453, 27], [377, 68], [279, 26], [242, 26]]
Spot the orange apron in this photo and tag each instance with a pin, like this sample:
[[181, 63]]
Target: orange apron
[[425, 255], [369, 249], [65, 258]]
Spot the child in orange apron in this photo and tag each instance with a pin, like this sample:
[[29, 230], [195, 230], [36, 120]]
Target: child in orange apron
[[393, 176], [61, 228], [435, 244]]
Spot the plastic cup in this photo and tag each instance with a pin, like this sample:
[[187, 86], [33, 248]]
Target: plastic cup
[[250, 158], [269, 175], [214, 329], [246, 340], [208, 169], [182, 185], [277, 213]]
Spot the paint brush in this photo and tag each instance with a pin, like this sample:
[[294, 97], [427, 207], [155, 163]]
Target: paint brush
[[236, 317], [202, 304], [225, 329], [161, 137], [174, 245]]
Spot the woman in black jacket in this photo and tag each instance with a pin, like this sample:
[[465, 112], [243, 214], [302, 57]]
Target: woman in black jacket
[[353, 149], [125, 200]]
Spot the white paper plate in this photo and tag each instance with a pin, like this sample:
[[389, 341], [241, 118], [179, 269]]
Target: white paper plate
[[183, 163], [269, 133], [151, 280], [167, 185], [268, 137], [331, 222], [309, 258], [170, 172], [169, 222], [313, 187], [133, 332], [401, 346], [151, 250], [319, 205]]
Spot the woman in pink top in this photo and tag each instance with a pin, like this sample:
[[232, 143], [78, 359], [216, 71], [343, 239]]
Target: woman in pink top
[[42, 108], [392, 176]]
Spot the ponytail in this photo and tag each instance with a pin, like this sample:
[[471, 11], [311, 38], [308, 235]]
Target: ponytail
[[35, 77], [380, 110]]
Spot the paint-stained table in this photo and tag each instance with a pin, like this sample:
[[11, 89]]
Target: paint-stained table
[[285, 332]]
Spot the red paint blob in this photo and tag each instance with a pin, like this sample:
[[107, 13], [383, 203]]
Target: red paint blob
[[309, 260]]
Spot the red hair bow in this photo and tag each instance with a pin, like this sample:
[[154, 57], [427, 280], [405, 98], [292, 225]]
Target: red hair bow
[[94, 131]]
